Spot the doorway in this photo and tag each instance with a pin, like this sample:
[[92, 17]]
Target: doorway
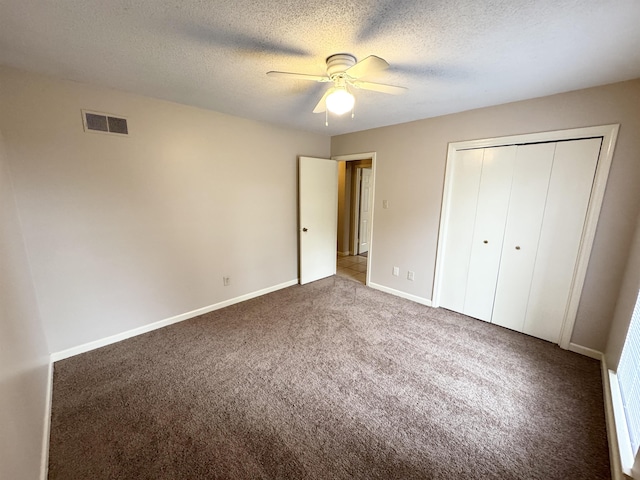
[[324, 196], [355, 216]]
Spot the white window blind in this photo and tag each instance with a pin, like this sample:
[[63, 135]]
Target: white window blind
[[629, 378]]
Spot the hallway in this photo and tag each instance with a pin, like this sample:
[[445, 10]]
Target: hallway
[[353, 267]]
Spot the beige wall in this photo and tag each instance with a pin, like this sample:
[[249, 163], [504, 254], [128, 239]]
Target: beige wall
[[410, 173], [626, 303], [24, 355], [123, 232]]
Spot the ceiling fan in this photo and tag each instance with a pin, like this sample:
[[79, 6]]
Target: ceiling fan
[[344, 72]]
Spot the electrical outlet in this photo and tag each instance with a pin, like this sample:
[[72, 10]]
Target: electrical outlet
[[410, 275], [226, 281], [396, 271], [385, 203]]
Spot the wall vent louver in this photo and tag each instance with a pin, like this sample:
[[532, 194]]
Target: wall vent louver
[[104, 123]]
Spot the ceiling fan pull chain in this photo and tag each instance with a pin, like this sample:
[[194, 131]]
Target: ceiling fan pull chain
[[326, 118]]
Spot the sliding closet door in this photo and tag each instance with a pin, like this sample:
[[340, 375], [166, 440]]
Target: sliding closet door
[[463, 198], [565, 213], [531, 176], [488, 231]]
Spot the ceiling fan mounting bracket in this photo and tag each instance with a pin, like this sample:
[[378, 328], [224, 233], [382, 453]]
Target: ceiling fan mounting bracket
[[337, 64]]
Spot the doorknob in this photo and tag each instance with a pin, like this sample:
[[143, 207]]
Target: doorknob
[[486, 241], [305, 229], [518, 247]]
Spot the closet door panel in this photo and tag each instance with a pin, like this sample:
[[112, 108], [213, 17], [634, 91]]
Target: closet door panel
[[463, 197], [488, 231], [562, 227], [529, 188]]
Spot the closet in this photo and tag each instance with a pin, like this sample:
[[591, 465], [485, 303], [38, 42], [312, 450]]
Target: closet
[[515, 218]]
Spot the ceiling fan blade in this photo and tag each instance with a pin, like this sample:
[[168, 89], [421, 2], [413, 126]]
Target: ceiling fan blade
[[322, 104], [299, 76], [367, 66], [241, 42], [379, 87]]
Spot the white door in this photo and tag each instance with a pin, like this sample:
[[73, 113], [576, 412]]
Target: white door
[[318, 217], [531, 174], [514, 232], [464, 178], [488, 231], [570, 189], [555, 194], [366, 195]]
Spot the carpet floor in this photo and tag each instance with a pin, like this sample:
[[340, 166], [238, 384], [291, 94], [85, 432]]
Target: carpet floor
[[331, 380]]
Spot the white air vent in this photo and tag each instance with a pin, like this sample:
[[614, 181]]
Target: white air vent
[[104, 123]]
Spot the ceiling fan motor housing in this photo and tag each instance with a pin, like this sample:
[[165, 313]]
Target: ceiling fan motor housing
[[338, 63]]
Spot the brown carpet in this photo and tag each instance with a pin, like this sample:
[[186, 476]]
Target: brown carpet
[[331, 380]]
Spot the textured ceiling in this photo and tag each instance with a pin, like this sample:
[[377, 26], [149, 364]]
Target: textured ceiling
[[453, 55]]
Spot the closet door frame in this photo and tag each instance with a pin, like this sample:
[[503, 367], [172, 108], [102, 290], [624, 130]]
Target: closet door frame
[[608, 133]]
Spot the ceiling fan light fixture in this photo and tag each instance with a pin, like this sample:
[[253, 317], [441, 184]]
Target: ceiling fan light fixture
[[345, 73], [340, 101]]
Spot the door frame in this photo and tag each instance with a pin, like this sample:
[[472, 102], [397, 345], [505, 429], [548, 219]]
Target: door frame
[[355, 211], [365, 156], [354, 207], [609, 134]]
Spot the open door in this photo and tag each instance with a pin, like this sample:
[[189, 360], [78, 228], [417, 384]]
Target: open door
[[318, 217], [364, 223]]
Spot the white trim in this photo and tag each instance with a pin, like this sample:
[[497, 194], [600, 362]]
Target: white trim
[[586, 351], [366, 156], [609, 134], [444, 224], [70, 352], [398, 293], [620, 454], [549, 136], [354, 156], [46, 431], [355, 208]]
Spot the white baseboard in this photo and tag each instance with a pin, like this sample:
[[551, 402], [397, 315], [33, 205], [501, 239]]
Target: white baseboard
[[46, 431], [586, 351], [398, 293], [70, 352], [620, 454]]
